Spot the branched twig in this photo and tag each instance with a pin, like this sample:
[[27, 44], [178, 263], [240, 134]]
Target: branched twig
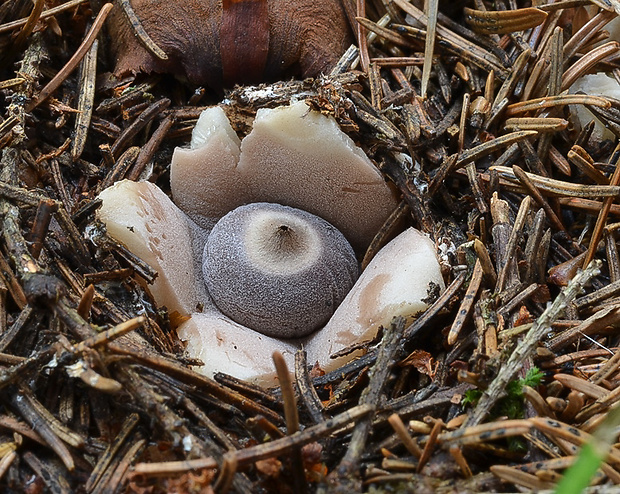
[[343, 478], [528, 345]]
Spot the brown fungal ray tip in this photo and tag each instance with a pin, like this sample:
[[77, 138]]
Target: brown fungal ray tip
[[292, 267], [202, 39]]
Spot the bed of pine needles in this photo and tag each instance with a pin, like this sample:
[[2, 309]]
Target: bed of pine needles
[[495, 388]]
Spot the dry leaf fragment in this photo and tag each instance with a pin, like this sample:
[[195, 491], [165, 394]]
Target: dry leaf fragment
[[422, 361], [270, 467]]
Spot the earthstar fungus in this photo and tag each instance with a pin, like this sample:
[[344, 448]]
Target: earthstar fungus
[[398, 281]]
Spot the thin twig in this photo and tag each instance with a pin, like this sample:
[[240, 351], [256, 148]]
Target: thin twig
[[74, 61], [529, 343]]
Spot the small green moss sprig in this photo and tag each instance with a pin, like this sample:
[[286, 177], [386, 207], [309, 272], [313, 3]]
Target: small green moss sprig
[[511, 405]]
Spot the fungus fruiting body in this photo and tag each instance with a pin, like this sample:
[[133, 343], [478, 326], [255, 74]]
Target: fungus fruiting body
[[270, 241], [278, 270], [223, 42]]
